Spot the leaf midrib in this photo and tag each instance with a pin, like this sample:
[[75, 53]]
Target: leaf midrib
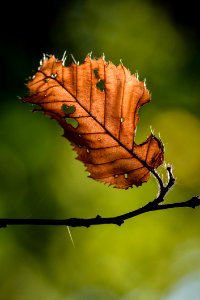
[[152, 170]]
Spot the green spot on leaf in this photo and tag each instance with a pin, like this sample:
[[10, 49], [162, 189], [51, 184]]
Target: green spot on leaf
[[72, 122], [101, 85], [96, 73], [68, 109]]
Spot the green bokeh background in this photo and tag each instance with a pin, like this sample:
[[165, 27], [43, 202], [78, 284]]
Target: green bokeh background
[[154, 256]]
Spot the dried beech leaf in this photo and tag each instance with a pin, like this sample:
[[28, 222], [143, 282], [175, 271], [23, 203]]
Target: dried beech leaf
[[103, 101]]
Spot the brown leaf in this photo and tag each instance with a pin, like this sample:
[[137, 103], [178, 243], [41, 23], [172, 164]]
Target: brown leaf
[[97, 105]]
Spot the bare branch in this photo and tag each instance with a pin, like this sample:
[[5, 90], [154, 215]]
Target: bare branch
[[156, 204], [98, 220], [164, 189]]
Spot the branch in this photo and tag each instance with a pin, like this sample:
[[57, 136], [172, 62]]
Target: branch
[[98, 220], [164, 189], [154, 205]]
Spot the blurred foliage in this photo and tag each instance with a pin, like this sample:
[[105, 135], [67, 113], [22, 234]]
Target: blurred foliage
[[154, 256]]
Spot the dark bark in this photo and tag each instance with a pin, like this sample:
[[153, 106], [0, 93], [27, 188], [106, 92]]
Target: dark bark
[[156, 204]]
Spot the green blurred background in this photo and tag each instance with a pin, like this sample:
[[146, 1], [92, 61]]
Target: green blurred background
[[154, 256]]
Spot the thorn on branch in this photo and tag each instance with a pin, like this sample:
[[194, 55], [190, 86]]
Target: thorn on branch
[[194, 202], [98, 217]]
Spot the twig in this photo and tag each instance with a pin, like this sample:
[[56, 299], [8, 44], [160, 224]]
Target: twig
[[154, 205], [98, 220], [164, 189]]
